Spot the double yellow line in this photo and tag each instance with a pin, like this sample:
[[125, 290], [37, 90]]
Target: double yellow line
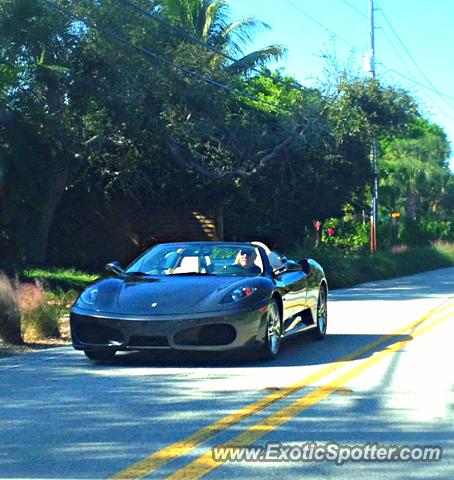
[[205, 463]]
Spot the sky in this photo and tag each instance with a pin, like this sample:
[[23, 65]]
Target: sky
[[414, 43]]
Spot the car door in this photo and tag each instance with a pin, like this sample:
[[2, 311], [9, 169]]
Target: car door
[[292, 284], [313, 287]]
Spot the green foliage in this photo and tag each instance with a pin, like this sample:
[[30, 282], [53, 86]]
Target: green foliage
[[414, 174], [413, 233], [425, 231], [344, 269], [59, 279], [349, 233], [30, 312], [40, 323], [210, 21], [42, 313], [366, 107], [439, 230], [82, 114]]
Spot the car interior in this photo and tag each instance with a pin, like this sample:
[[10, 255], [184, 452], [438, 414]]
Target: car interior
[[205, 264]]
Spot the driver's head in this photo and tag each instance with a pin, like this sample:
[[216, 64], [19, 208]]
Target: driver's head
[[246, 257]]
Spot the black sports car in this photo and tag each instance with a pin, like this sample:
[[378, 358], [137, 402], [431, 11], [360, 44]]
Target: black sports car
[[201, 296]]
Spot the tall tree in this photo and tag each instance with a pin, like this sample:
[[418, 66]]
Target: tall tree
[[51, 116], [36, 145], [210, 21], [414, 172]]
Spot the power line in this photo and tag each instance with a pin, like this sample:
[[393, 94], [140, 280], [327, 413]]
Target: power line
[[182, 33], [412, 78], [320, 24], [422, 85], [72, 16], [396, 51], [426, 95], [355, 9], [410, 56]]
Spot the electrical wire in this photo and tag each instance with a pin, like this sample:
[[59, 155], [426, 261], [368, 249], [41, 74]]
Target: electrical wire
[[320, 24], [422, 85], [412, 78], [410, 56], [396, 51], [89, 22], [355, 9], [184, 34]]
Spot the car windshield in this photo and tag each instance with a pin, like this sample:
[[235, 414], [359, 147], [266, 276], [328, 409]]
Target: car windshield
[[171, 259]]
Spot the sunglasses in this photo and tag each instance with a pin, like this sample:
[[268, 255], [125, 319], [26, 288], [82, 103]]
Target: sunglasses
[[246, 252]]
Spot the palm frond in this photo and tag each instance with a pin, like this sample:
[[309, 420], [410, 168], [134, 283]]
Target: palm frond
[[259, 58], [210, 21], [238, 35], [214, 19]]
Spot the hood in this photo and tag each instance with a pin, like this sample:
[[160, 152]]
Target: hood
[[167, 295]]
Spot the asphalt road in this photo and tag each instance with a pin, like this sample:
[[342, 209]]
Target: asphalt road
[[382, 377]]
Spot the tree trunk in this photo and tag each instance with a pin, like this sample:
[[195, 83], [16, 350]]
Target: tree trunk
[[33, 232], [36, 174], [35, 235], [411, 205], [27, 206]]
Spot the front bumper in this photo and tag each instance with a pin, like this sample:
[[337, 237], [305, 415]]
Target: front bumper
[[214, 331]]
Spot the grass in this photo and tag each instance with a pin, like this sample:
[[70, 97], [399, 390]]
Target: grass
[[59, 278], [44, 298], [344, 269], [29, 313]]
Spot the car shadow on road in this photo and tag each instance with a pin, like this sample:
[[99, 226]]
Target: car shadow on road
[[298, 351]]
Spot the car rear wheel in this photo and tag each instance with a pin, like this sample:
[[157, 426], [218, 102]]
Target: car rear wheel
[[100, 355], [272, 343], [322, 313]]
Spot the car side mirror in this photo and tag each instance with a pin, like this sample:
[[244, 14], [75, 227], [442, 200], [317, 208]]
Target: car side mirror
[[116, 268], [288, 268], [293, 267], [305, 265]]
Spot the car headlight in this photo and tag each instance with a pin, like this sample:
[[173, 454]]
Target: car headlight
[[90, 296], [239, 294]]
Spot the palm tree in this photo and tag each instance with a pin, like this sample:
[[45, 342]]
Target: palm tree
[[209, 20]]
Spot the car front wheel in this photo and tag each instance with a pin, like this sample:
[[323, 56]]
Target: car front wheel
[[322, 313], [273, 338]]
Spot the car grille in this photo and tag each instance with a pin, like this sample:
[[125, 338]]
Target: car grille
[[206, 335], [147, 341], [96, 334]]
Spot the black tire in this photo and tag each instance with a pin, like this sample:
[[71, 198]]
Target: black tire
[[322, 314], [270, 348], [100, 355]]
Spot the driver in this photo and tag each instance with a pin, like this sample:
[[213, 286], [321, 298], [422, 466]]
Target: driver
[[245, 259]]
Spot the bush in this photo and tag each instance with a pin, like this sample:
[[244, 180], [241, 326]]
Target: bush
[[39, 317], [439, 230], [347, 233], [350, 234], [41, 323], [413, 233], [10, 328], [344, 269]]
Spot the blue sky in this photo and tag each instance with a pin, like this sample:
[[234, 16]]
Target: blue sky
[[414, 41]]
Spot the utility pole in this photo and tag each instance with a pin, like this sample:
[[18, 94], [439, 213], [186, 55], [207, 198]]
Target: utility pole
[[374, 209]]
